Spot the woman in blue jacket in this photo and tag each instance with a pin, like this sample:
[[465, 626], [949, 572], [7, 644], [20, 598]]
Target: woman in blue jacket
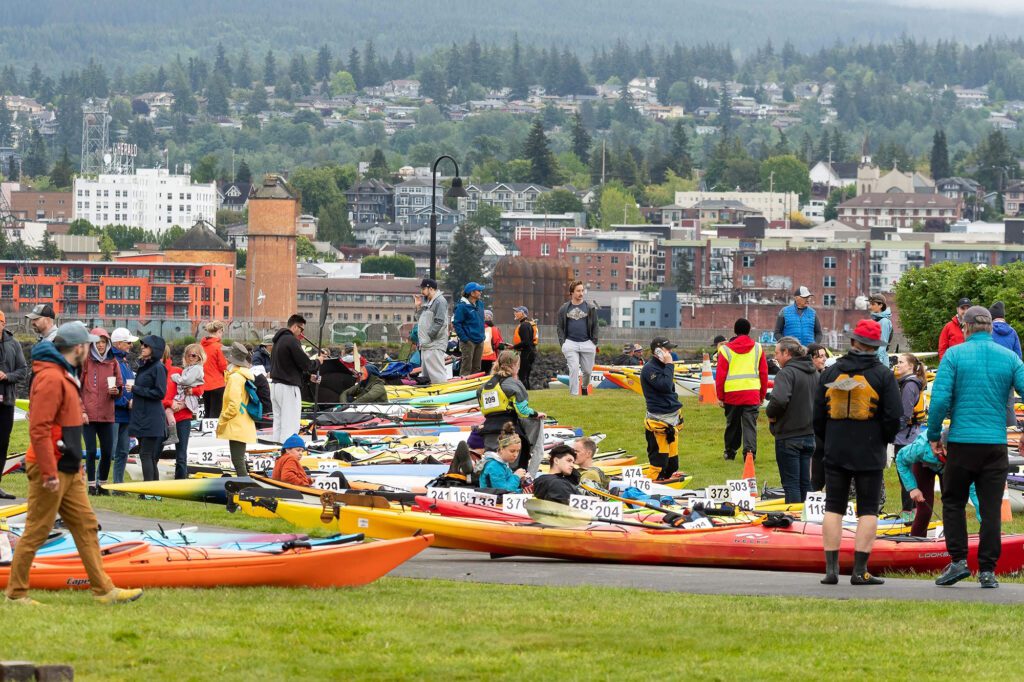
[[496, 472], [918, 466], [148, 420], [468, 321]]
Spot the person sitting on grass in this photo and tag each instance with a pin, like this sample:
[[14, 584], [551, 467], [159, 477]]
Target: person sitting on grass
[[585, 450], [288, 468], [496, 472], [918, 466], [563, 479]]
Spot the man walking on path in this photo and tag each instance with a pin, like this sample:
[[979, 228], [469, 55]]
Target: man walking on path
[[970, 389], [54, 467], [952, 334], [663, 420], [741, 381], [799, 319], [432, 330], [42, 320], [469, 327], [857, 411], [288, 365], [881, 314], [790, 414]]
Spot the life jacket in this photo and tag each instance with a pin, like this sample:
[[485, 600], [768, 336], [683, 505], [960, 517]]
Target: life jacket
[[516, 340], [920, 414], [799, 325], [851, 397], [492, 398], [744, 368], [488, 349]]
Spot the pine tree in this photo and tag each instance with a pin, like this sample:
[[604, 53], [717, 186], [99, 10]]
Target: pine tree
[[378, 167], [681, 161], [323, 63], [34, 162], [580, 139], [217, 95], [355, 67], [371, 67], [258, 100], [839, 148], [61, 175], [48, 249], [518, 83], [824, 149], [465, 258], [243, 72], [184, 100], [624, 110], [940, 156], [270, 68], [221, 64], [13, 171], [543, 168], [6, 127], [242, 173], [725, 112]]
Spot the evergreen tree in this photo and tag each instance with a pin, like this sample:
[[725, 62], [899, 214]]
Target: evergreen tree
[[625, 109], [603, 116], [824, 150], [48, 248], [378, 167], [217, 95], [465, 259], [243, 72], [221, 65], [270, 68], [371, 67], [839, 149], [543, 167], [355, 67], [580, 139], [184, 100], [6, 127], [324, 60], [34, 162], [725, 112], [62, 174], [242, 173], [807, 149], [518, 81], [13, 170], [333, 225], [681, 161], [939, 156], [258, 100]]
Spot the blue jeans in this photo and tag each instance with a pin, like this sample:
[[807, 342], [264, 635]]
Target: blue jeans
[[183, 429], [794, 458], [121, 443]]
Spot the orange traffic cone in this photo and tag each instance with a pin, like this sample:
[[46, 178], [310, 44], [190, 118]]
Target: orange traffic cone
[[707, 383], [748, 473], [1005, 513]]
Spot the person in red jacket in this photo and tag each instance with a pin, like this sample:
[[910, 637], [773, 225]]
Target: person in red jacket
[[953, 334], [183, 416], [288, 468], [214, 368], [741, 382]]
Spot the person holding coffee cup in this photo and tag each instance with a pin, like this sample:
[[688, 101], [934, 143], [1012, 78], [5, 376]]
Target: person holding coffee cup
[[101, 386], [121, 341]]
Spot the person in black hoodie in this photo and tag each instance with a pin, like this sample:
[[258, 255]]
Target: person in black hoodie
[[148, 421], [13, 370], [857, 413], [288, 365], [663, 421], [563, 481], [790, 415]]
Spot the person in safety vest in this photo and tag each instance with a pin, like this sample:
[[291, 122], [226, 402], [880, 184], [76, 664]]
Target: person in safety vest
[[799, 319], [741, 383], [503, 398], [493, 343], [524, 340], [663, 420]]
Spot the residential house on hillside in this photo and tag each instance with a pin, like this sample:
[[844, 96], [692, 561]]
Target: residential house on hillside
[[510, 197], [371, 201], [412, 195], [836, 174], [233, 196], [1013, 199]]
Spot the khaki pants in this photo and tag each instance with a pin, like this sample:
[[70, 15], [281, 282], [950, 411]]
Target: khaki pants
[[73, 504]]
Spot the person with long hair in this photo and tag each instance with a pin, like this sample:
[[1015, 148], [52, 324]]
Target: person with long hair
[[148, 421], [213, 369], [576, 323], [503, 399], [497, 470], [911, 376], [101, 384], [183, 402]]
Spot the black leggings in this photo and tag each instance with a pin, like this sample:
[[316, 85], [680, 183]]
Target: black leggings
[[237, 449], [212, 401], [149, 455], [837, 490], [104, 432], [6, 425]]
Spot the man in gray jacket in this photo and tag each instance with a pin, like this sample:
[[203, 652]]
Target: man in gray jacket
[[432, 329], [790, 415]]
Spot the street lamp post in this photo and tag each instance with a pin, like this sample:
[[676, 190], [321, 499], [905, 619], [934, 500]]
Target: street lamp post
[[456, 191]]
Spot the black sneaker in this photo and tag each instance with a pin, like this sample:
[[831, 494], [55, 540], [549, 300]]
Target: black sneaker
[[4, 495], [865, 579], [953, 573], [729, 456], [988, 579]]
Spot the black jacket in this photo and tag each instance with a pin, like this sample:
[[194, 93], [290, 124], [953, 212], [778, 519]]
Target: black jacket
[[556, 487], [261, 357], [562, 322], [148, 419], [658, 382], [791, 404], [12, 363], [263, 393], [859, 445], [288, 362], [526, 345]]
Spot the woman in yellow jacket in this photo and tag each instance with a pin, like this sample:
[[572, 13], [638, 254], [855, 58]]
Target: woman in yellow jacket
[[235, 425]]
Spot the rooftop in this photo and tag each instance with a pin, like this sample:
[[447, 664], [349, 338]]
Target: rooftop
[[200, 237], [900, 200], [272, 187]]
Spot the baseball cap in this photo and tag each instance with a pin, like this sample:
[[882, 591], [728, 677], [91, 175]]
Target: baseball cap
[[428, 282], [964, 302], [122, 334], [636, 347], [268, 340], [473, 286], [978, 314], [43, 310], [803, 292], [661, 342], [73, 334], [521, 309], [869, 333]]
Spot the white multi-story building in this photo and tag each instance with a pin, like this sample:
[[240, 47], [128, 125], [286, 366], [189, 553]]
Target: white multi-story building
[[772, 205], [152, 199]]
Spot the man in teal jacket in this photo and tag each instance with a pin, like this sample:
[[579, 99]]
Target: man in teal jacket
[[970, 388]]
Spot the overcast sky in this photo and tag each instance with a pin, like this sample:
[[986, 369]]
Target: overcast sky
[[985, 6]]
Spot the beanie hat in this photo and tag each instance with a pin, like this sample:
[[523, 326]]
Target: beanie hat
[[997, 310], [869, 333], [293, 441]]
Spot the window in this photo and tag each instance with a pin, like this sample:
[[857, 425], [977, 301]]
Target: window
[[92, 293], [829, 282], [158, 310], [204, 295], [92, 309], [829, 263], [123, 293], [7, 292], [70, 308], [181, 311], [545, 249], [51, 271], [70, 292], [748, 261], [748, 280], [204, 311], [227, 295], [45, 291], [181, 294], [615, 273], [828, 300], [615, 260], [30, 270], [27, 291]]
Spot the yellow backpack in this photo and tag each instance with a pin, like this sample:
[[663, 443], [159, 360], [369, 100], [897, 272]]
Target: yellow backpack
[[851, 397]]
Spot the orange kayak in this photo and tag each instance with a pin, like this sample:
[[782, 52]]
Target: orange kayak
[[141, 564]]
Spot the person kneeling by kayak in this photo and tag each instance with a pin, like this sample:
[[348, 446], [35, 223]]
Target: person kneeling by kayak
[[496, 472], [370, 389], [502, 399], [918, 466], [288, 468], [564, 478]]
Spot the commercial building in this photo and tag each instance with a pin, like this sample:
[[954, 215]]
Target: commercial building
[[616, 261], [29, 204], [772, 205], [375, 299], [152, 198], [898, 209]]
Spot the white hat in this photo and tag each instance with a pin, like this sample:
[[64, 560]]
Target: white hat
[[803, 292], [121, 334]]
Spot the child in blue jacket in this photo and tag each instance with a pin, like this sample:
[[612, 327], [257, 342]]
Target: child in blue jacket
[[918, 466]]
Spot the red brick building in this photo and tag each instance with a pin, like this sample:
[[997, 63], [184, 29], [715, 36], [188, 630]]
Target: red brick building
[[29, 204], [544, 242]]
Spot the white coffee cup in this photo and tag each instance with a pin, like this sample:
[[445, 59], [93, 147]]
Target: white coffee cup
[[111, 382], [131, 384]]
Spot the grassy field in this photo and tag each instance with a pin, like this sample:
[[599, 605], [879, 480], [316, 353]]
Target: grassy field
[[409, 629]]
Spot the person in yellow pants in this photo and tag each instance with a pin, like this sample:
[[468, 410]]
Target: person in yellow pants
[[663, 420], [54, 467], [662, 448]]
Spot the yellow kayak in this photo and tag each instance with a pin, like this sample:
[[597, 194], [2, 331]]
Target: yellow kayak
[[435, 389], [10, 510]]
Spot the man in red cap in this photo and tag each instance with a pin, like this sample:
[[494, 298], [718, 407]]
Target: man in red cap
[[857, 411]]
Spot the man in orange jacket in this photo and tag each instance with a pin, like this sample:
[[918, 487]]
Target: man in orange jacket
[[55, 481], [741, 381], [288, 468], [953, 333]]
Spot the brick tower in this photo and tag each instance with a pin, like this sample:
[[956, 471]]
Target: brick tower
[[270, 265]]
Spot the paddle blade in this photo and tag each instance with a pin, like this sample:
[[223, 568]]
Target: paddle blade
[[555, 514]]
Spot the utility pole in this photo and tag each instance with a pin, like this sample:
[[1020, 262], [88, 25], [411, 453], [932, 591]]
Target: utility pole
[[771, 192], [603, 142]]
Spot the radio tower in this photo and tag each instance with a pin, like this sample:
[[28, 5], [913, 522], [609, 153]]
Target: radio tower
[[95, 137]]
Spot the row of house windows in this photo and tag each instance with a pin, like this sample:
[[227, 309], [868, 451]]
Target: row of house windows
[[828, 262]]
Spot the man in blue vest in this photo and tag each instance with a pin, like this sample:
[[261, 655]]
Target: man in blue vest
[[799, 320]]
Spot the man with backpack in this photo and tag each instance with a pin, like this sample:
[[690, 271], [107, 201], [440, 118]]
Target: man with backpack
[[857, 411], [524, 340]]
